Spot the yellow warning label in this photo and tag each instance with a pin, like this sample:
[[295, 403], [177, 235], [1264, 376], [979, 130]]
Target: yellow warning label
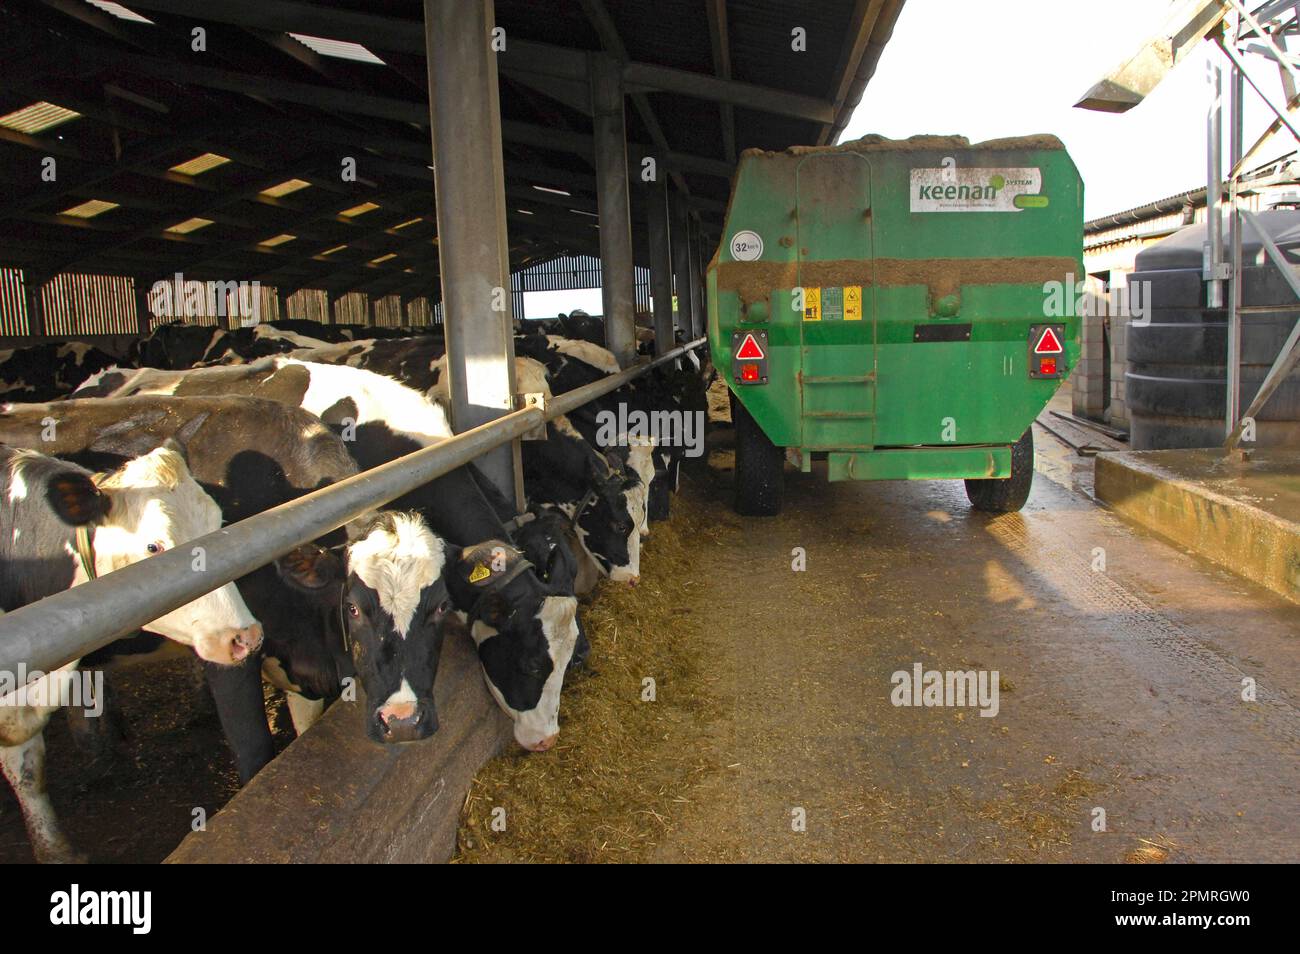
[[852, 302], [812, 304], [480, 572]]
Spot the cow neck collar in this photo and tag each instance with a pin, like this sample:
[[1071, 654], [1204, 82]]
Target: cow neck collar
[[343, 619], [86, 550]]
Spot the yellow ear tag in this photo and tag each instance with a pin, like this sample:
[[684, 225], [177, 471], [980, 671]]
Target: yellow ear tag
[[480, 572]]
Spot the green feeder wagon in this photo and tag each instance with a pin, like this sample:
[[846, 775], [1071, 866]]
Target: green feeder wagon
[[906, 308]]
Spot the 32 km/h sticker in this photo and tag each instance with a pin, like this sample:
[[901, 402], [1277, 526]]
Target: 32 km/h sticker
[[746, 246]]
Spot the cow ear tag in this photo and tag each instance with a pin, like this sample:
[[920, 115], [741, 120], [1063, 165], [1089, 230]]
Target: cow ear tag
[[480, 572]]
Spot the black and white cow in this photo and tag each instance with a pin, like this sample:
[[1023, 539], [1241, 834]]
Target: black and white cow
[[603, 500], [413, 361], [659, 394], [249, 455], [580, 326], [150, 504], [391, 590], [260, 341], [47, 371], [382, 420], [524, 665], [420, 363], [371, 410], [178, 345]]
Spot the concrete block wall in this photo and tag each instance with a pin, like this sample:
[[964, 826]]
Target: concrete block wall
[[1117, 413], [1087, 380]]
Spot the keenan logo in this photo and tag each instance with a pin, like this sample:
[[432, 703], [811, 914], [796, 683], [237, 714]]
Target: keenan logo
[[963, 192], [954, 188]]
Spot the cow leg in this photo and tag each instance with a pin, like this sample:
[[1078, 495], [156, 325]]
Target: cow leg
[[102, 738], [237, 693], [303, 712], [24, 767]]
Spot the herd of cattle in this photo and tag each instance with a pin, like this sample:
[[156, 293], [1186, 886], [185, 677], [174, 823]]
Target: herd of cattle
[[105, 461]]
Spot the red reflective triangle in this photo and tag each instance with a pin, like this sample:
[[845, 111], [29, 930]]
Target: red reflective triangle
[[749, 348], [1048, 343]]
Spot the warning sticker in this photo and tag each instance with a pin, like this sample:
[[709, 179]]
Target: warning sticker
[[749, 348], [833, 304], [1048, 342], [852, 302], [812, 304], [957, 189]]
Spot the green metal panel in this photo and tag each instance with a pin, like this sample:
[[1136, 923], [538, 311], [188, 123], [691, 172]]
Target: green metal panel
[[838, 354], [920, 463], [950, 244]]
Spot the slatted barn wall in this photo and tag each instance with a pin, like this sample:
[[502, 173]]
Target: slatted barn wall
[[89, 305], [77, 305], [388, 312], [13, 303], [352, 309]]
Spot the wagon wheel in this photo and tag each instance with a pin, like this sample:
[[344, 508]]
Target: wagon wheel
[[1007, 494], [760, 467]]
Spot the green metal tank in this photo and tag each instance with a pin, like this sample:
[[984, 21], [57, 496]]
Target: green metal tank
[[907, 307]]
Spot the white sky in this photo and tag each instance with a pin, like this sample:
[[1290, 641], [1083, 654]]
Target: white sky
[[991, 68], [548, 304]]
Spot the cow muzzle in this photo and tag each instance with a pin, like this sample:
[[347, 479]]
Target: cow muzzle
[[541, 745], [231, 646], [404, 722]]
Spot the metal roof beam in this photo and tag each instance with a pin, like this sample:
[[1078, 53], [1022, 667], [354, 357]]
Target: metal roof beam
[[686, 83], [408, 36], [607, 30], [720, 39]]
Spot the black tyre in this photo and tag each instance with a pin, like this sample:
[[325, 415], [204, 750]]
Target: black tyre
[[760, 467], [1007, 494]]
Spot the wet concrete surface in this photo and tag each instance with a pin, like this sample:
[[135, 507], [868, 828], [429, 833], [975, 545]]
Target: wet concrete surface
[[1121, 663], [1241, 511]]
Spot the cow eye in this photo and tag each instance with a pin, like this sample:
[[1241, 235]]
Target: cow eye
[[154, 548], [354, 611]]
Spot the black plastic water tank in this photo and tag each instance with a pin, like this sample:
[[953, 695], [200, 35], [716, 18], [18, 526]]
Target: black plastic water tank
[[1176, 380]]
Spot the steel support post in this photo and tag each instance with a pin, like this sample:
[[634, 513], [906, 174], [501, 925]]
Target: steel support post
[[661, 265], [613, 202], [473, 251]]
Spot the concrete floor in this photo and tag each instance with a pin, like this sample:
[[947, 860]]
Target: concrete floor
[[1120, 688]]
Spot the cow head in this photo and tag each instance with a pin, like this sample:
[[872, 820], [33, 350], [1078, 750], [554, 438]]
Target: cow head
[[148, 505], [525, 633], [608, 520], [641, 460], [544, 541], [393, 601]]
